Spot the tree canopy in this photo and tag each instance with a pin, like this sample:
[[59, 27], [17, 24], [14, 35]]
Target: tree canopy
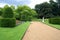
[[46, 9], [25, 13]]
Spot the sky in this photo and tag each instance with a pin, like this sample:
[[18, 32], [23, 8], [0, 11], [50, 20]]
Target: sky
[[30, 3]]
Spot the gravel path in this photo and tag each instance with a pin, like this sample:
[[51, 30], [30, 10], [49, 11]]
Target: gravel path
[[40, 31]]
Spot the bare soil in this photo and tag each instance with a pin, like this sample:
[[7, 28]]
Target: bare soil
[[40, 31], [17, 21]]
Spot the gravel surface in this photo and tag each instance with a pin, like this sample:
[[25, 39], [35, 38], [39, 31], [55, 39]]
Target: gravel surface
[[40, 31]]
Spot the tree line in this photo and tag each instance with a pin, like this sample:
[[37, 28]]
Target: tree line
[[22, 13], [44, 10], [48, 9]]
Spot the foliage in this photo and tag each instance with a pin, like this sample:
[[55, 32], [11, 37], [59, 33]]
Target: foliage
[[54, 20], [7, 19], [15, 33], [17, 16], [25, 13], [50, 9], [43, 9], [12, 7], [1, 11], [58, 1], [8, 12], [7, 22], [54, 7], [52, 25]]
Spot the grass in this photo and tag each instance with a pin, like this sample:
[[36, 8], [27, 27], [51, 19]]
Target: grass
[[52, 25], [47, 22], [13, 33], [35, 19]]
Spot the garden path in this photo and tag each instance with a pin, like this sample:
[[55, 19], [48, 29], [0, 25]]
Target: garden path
[[40, 31]]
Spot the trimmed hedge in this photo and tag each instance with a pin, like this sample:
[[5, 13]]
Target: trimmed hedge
[[7, 22], [54, 20], [8, 13]]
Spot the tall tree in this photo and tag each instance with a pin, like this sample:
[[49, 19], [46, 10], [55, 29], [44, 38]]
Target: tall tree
[[25, 13], [37, 9], [54, 7], [43, 9], [12, 7], [58, 1], [1, 11]]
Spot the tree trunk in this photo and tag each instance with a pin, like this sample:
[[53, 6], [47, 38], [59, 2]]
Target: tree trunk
[[43, 19]]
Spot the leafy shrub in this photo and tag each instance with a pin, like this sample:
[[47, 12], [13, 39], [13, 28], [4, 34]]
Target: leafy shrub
[[17, 16], [1, 12], [8, 13], [25, 13], [7, 22], [54, 20]]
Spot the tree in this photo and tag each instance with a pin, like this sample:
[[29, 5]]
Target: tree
[[58, 1], [54, 7], [13, 7], [37, 9], [18, 11], [25, 13], [1, 11], [43, 9]]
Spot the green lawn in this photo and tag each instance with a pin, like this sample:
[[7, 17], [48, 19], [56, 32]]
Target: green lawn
[[35, 19], [47, 22], [14, 33], [52, 25]]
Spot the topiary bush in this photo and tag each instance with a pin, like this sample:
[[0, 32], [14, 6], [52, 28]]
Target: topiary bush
[[7, 22], [8, 13], [7, 19], [54, 20]]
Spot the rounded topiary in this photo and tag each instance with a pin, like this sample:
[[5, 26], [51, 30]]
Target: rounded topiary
[[54, 20], [8, 13], [7, 19]]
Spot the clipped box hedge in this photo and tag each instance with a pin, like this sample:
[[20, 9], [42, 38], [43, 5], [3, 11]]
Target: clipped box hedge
[[54, 20], [7, 22]]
